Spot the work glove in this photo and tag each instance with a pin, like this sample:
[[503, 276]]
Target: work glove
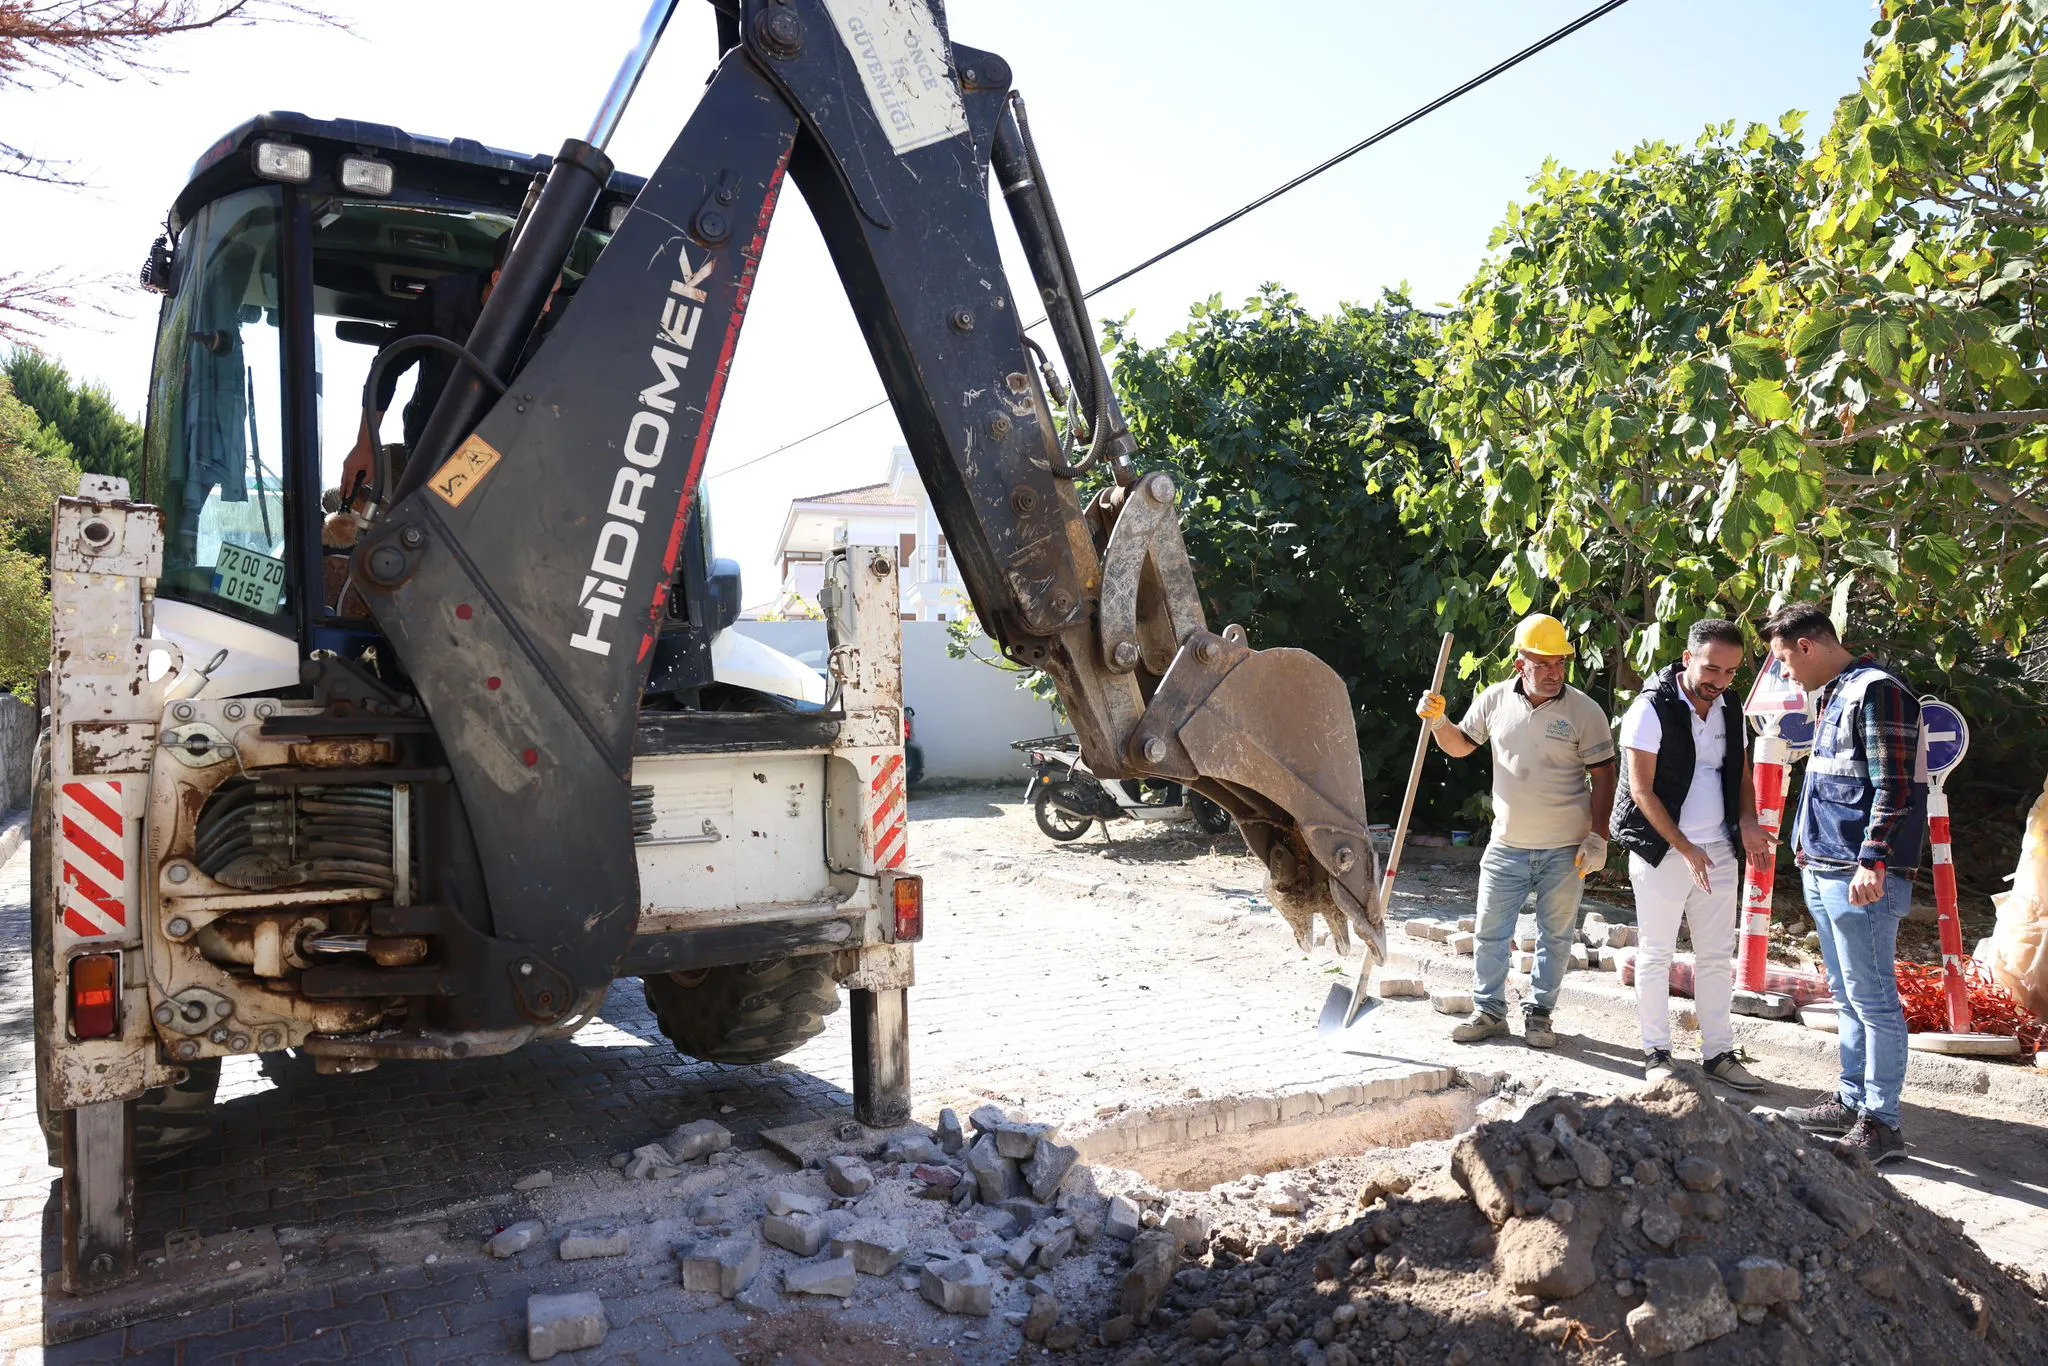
[[1430, 707], [1592, 855]]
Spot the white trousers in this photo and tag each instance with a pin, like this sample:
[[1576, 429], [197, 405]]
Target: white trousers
[[1664, 893]]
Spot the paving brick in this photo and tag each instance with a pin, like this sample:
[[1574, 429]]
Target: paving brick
[[198, 1323], [388, 1332], [329, 1346], [302, 1323], [222, 1346], [99, 1347]]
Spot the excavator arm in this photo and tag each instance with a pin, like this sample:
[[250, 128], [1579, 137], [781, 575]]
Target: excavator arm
[[521, 564]]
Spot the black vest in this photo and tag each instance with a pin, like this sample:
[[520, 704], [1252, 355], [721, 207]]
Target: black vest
[[1632, 829]]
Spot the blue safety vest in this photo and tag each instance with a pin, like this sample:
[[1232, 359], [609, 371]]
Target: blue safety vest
[[1834, 807]]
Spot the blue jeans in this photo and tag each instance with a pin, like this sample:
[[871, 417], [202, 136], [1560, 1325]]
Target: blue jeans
[[1506, 878], [1860, 945]]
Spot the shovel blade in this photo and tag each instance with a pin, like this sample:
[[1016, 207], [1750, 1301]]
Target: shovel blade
[[1343, 1010]]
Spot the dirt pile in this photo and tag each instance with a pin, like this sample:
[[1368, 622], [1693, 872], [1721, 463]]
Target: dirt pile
[[1662, 1224]]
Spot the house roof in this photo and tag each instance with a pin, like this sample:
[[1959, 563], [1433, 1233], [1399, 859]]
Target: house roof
[[877, 495]]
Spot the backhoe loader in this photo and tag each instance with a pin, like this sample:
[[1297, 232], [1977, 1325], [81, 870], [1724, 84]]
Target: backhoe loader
[[395, 750]]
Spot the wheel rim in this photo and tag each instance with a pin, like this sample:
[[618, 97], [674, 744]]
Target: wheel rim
[[1065, 822]]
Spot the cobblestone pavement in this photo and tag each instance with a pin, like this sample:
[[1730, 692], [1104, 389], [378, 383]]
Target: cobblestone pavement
[[1082, 982]]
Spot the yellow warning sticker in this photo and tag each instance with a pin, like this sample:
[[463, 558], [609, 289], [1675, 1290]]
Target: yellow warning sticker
[[458, 478]]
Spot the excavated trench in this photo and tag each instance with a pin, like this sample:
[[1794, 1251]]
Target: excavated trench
[[1194, 1145]]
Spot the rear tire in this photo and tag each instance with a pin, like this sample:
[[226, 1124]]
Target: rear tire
[[1057, 824], [1210, 819], [745, 1012]]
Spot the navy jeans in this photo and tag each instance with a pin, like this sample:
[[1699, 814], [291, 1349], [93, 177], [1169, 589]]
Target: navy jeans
[[1859, 945], [1506, 878]]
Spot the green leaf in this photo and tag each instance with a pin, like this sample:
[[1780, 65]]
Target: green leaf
[[1768, 400]]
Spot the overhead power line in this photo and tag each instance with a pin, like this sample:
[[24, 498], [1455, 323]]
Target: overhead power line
[[1499, 68]]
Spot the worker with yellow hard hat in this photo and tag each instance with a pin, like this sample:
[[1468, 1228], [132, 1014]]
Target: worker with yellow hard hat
[[1553, 790]]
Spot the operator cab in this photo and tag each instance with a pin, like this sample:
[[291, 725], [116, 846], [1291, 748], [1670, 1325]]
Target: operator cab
[[297, 251]]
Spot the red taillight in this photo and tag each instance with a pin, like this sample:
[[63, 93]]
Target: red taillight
[[909, 908], [96, 996]]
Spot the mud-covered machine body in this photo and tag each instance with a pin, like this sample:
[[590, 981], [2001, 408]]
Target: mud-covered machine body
[[406, 749]]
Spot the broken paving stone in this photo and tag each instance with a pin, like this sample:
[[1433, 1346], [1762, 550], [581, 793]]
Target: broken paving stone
[[620, 1159], [1191, 1229], [1017, 1141], [876, 1249], [723, 1266], [1396, 986], [999, 1222], [802, 1234], [796, 1202], [1050, 1162], [995, 1176], [1025, 1212], [912, 1148], [698, 1138], [1055, 1239], [1451, 1002], [939, 1182], [717, 1209], [1580, 959], [1685, 1305], [1698, 1173], [1064, 1337], [1468, 923], [1762, 1281], [986, 1119], [848, 1176], [960, 1285], [1154, 1257], [1433, 930], [1279, 1197], [1045, 1312], [1464, 942], [1852, 1216], [1525, 963], [1661, 1224], [593, 1240], [1122, 1219], [1548, 1257], [563, 1323], [834, 1276], [535, 1181], [952, 1138], [1621, 936], [1020, 1252], [650, 1162], [514, 1239]]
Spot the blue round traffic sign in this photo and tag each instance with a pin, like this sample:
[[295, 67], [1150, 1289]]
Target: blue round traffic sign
[[1946, 733]]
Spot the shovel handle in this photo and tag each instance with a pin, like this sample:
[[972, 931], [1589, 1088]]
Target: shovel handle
[[1436, 684]]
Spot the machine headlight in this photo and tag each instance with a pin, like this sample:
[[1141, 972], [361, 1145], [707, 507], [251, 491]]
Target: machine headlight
[[366, 175], [283, 161]]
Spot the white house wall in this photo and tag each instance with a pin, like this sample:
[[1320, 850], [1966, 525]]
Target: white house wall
[[967, 713]]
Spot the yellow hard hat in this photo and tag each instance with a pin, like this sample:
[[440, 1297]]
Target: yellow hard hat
[[1540, 634]]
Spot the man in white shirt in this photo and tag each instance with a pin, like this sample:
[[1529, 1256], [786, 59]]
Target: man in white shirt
[[1687, 805], [1553, 786]]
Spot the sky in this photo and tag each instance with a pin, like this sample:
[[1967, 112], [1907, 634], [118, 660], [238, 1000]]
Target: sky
[[1153, 118]]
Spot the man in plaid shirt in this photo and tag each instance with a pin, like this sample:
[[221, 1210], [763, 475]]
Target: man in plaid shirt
[[1857, 838]]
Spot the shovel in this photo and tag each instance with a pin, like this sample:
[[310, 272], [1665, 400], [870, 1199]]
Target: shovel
[[1341, 1010]]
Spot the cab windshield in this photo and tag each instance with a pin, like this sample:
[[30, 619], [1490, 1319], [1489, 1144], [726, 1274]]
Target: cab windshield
[[214, 445], [215, 450]]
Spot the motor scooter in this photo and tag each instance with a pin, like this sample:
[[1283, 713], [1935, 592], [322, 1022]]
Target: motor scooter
[[1066, 797]]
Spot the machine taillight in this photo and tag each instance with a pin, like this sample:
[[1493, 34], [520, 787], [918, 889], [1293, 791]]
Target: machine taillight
[[909, 908], [96, 995]]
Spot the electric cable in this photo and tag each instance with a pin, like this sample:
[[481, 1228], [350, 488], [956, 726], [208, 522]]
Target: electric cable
[[1416, 115]]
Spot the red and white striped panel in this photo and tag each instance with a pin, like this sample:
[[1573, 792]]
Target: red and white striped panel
[[93, 893], [890, 816]]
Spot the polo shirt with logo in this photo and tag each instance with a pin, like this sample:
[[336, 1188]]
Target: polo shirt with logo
[[1540, 757]]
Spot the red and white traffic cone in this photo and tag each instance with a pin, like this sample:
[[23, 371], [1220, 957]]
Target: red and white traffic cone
[[1761, 875], [1952, 981]]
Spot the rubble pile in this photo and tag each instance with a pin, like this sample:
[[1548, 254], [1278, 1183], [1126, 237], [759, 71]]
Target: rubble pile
[[1664, 1224]]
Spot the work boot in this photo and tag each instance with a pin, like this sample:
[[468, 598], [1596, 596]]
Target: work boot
[[1830, 1116], [1536, 1030], [1479, 1026], [1657, 1065], [1727, 1069], [1875, 1139]]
